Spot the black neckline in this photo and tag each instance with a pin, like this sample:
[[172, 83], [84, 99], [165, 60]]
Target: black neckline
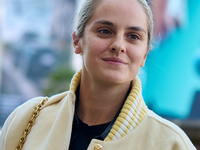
[[103, 129]]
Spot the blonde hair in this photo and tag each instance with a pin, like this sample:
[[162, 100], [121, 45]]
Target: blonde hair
[[87, 11]]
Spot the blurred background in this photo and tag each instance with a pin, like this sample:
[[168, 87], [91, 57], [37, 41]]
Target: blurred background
[[37, 59]]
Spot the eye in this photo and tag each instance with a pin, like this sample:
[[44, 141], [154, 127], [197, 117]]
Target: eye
[[104, 31], [134, 37]]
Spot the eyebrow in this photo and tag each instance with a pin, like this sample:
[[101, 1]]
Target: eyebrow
[[137, 29], [105, 22]]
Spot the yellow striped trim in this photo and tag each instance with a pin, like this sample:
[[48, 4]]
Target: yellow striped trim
[[132, 113], [75, 82]]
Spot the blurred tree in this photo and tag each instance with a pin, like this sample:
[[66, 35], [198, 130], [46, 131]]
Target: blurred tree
[[59, 80]]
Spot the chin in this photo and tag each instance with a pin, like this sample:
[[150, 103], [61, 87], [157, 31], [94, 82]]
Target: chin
[[117, 78]]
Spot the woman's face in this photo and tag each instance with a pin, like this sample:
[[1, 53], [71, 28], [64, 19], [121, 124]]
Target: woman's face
[[114, 44]]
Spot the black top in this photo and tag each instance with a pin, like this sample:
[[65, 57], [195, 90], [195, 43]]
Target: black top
[[82, 134]]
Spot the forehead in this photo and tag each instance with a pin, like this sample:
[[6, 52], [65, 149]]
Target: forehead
[[128, 12]]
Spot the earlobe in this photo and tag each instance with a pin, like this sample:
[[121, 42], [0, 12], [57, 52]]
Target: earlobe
[[143, 61], [76, 43]]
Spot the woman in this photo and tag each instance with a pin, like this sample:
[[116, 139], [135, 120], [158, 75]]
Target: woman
[[104, 108]]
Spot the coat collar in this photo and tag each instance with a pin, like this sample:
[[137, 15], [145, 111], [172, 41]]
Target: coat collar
[[132, 112]]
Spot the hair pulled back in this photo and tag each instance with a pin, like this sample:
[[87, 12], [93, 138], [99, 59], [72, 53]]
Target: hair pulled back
[[87, 11]]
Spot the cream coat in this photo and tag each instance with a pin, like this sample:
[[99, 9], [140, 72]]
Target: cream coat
[[52, 129]]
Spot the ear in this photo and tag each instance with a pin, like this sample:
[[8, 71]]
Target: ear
[[76, 43], [144, 59]]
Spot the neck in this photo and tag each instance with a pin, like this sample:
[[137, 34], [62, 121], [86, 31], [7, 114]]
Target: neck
[[100, 103]]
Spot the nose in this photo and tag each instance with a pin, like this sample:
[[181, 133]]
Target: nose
[[118, 45]]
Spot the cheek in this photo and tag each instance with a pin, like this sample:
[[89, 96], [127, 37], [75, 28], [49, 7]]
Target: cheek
[[137, 54], [90, 51], [95, 46]]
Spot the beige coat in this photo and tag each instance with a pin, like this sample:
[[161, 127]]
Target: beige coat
[[52, 128]]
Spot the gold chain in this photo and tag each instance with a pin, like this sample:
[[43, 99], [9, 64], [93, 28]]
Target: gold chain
[[38, 108]]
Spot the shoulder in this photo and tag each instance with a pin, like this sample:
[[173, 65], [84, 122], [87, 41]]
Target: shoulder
[[169, 130], [18, 119], [24, 111], [29, 106], [16, 122]]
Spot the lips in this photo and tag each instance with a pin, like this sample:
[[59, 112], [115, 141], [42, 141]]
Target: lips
[[115, 60]]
